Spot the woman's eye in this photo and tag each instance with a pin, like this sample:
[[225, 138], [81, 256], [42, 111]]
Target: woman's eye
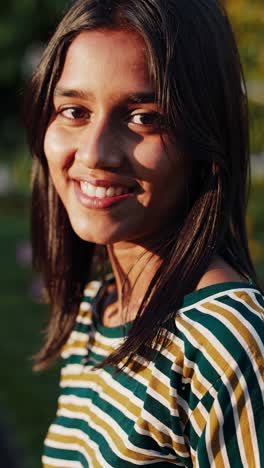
[[146, 118], [74, 113], [149, 121]]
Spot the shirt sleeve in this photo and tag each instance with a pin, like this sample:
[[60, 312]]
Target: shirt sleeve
[[227, 426]]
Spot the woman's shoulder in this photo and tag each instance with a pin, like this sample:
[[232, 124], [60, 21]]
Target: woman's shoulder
[[221, 327], [224, 308]]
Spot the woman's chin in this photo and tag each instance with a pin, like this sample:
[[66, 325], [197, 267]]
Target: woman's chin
[[86, 231]]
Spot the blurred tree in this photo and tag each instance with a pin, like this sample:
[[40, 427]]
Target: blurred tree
[[24, 25], [247, 17]]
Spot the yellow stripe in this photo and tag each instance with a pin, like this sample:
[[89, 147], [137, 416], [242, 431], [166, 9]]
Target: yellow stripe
[[231, 376], [240, 327], [199, 386], [245, 424], [75, 344], [113, 393], [204, 343], [126, 402], [74, 440], [199, 418], [214, 439], [87, 313], [161, 437], [48, 466], [243, 296], [113, 436]]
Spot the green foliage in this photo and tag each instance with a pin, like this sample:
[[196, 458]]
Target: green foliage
[[23, 23], [247, 18], [29, 400], [255, 223], [256, 114]]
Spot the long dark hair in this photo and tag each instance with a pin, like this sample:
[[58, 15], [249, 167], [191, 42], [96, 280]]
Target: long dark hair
[[195, 65]]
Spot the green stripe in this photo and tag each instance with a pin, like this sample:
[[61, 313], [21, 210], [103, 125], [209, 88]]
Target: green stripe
[[64, 454], [163, 364]]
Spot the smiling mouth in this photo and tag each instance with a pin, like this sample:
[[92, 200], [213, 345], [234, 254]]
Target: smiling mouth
[[101, 197], [103, 192]]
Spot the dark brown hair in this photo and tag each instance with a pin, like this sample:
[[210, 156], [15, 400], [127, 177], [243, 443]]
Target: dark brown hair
[[199, 82]]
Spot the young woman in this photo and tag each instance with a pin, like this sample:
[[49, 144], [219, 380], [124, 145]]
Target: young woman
[[137, 118]]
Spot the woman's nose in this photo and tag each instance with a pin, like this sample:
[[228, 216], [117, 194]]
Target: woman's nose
[[99, 146]]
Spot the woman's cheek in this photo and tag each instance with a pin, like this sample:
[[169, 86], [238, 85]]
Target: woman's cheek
[[59, 146]]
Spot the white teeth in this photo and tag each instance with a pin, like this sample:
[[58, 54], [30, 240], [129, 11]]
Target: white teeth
[[110, 192], [90, 189], [101, 192]]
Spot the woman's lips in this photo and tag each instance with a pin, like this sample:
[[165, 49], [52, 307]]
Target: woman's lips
[[108, 191], [100, 197]]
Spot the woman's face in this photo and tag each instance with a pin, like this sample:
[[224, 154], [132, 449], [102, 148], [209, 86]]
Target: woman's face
[[105, 153]]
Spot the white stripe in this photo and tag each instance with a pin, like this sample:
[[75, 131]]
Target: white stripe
[[75, 447], [99, 351], [74, 383], [85, 306], [233, 364], [208, 439], [203, 411], [74, 351], [256, 299], [243, 301], [188, 364], [137, 377], [72, 369], [194, 457], [220, 417], [175, 438], [148, 417], [196, 428], [208, 444], [60, 463], [92, 288], [79, 434], [115, 385], [226, 292], [113, 342], [157, 396], [87, 402], [84, 320], [71, 399], [247, 346], [78, 336], [107, 435]]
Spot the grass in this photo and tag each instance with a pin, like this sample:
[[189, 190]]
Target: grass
[[29, 400], [256, 226]]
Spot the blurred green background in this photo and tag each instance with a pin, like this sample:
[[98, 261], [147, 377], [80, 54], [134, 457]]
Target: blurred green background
[[28, 400]]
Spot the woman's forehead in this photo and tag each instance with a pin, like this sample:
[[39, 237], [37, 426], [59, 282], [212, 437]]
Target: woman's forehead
[[109, 61]]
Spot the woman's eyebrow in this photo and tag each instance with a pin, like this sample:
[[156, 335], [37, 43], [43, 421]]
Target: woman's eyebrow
[[59, 91], [142, 97]]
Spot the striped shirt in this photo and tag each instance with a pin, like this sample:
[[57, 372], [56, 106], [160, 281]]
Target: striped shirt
[[199, 403]]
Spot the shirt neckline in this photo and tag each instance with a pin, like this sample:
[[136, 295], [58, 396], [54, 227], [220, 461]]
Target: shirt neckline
[[121, 331]]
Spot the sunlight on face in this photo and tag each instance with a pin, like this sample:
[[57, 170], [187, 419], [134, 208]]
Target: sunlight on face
[[103, 144]]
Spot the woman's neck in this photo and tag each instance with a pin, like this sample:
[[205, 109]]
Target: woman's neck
[[134, 267]]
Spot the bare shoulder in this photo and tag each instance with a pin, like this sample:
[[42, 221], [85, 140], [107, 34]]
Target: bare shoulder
[[220, 272]]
